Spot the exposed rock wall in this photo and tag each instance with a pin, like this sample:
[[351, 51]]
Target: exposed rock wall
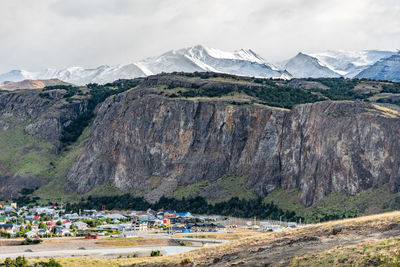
[[339, 147], [137, 137], [319, 148], [31, 125]]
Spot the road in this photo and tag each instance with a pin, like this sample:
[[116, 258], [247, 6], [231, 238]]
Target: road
[[103, 252], [200, 240]]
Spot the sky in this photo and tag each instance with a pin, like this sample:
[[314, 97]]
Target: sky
[[39, 34]]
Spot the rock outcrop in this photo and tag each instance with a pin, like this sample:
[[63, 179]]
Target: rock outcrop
[[152, 141], [139, 135], [30, 129], [319, 148]]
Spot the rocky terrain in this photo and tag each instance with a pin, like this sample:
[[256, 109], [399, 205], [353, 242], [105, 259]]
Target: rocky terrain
[[176, 131], [29, 84], [30, 130]]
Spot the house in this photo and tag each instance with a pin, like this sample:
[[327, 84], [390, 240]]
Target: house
[[220, 227], [51, 223], [60, 230], [9, 209], [71, 217], [109, 226], [92, 236], [43, 232], [31, 234], [128, 234], [177, 229], [115, 216], [3, 219], [166, 222], [6, 227], [169, 214], [139, 226], [80, 225], [184, 215], [151, 212]]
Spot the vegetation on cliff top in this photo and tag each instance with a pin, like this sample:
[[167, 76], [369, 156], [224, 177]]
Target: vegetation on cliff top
[[234, 207], [98, 93]]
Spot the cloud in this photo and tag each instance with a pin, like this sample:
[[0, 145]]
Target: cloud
[[58, 33]]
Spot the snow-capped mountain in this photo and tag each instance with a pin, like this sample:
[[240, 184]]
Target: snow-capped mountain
[[384, 69], [351, 63], [333, 63], [369, 64], [305, 66], [197, 58]]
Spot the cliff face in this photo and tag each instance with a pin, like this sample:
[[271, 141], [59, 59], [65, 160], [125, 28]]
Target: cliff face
[[43, 117], [339, 147], [151, 141], [30, 129], [140, 135], [320, 148]]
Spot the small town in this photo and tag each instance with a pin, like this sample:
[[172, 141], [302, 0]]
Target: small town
[[53, 221]]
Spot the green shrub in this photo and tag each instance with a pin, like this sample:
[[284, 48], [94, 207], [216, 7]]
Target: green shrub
[[155, 253], [186, 261], [50, 263]]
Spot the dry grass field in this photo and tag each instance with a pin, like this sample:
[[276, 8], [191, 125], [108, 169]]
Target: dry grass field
[[365, 241]]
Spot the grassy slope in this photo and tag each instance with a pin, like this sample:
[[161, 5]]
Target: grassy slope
[[229, 186], [23, 154], [54, 190], [367, 202], [382, 251]]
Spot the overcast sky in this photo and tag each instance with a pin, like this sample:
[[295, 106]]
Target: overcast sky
[[37, 34]]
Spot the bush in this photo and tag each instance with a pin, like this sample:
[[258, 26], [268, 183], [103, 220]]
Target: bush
[[155, 253], [29, 241], [18, 262], [50, 263], [186, 261]]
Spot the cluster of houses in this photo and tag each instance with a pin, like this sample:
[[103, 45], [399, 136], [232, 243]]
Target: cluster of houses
[[53, 221]]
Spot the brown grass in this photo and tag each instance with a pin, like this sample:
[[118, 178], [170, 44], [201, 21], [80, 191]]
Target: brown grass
[[361, 225], [132, 242], [384, 252]]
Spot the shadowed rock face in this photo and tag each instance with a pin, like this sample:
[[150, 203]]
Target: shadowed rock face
[[339, 147], [137, 136], [319, 148], [42, 117]]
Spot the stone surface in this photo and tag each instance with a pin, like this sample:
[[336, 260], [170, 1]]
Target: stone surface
[[320, 148]]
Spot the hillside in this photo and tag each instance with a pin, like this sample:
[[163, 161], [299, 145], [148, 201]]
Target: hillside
[[207, 135], [365, 241], [30, 84]]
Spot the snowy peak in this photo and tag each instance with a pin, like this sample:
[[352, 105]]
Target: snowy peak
[[384, 69], [350, 63], [306, 66], [199, 58], [376, 64], [244, 62]]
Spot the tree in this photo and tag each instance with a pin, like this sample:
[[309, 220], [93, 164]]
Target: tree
[[28, 227], [59, 223], [42, 225]]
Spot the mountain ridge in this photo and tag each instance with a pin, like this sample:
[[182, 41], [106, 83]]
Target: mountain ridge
[[242, 62]]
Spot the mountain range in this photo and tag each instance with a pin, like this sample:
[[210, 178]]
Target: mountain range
[[370, 64]]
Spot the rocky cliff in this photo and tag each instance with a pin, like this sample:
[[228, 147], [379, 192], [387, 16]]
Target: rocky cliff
[[200, 134], [319, 148], [30, 128]]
